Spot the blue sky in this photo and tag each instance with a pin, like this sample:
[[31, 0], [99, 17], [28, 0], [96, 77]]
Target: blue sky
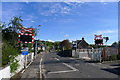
[[66, 20]]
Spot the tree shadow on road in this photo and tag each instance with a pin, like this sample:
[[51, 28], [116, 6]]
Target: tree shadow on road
[[113, 70]]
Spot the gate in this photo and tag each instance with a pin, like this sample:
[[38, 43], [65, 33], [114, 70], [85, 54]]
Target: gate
[[91, 54]]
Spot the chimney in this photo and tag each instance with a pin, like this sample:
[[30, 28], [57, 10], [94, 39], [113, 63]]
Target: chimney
[[82, 38]]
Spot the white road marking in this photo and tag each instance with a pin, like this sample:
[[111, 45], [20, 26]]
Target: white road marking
[[23, 71], [71, 58], [29, 64], [27, 67], [57, 59], [73, 69], [40, 66], [60, 71]]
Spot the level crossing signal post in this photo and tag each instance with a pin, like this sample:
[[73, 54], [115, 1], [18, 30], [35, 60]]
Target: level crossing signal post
[[25, 39], [98, 41]]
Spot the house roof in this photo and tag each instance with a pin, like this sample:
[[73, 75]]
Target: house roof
[[81, 43]]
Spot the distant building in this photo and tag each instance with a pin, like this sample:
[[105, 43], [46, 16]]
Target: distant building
[[80, 44], [41, 46]]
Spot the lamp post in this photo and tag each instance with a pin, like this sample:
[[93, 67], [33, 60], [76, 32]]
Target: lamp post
[[35, 45]]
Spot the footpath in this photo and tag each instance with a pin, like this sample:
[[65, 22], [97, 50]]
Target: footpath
[[33, 71]]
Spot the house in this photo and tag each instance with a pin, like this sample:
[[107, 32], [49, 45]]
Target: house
[[80, 44], [41, 46]]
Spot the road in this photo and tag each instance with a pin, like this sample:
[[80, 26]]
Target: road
[[50, 65], [64, 67]]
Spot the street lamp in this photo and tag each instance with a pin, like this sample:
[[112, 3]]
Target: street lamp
[[35, 45]]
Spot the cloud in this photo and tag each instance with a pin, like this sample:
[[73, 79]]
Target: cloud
[[9, 11], [106, 32], [50, 40], [32, 21], [60, 0], [64, 20], [56, 9], [66, 35], [62, 32]]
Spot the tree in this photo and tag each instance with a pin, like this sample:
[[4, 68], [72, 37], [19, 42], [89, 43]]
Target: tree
[[65, 45], [57, 45], [49, 45], [15, 23], [10, 48], [115, 44], [10, 33]]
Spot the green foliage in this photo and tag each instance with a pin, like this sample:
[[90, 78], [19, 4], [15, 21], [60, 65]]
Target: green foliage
[[115, 44], [118, 56], [65, 45], [113, 57], [40, 51], [57, 46], [97, 46], [10, 48], [8, 53], [15, 23], [49, 45], [14, 65]]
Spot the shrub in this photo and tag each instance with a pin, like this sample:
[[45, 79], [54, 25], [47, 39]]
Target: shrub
[[8, 53], [13, 65], [118, 56], [113, 57]]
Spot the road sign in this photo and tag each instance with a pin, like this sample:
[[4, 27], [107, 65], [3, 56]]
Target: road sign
[[30, 30], [24, 52]]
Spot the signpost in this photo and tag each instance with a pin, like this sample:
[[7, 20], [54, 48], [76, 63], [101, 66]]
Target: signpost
[[24, 38], [98, 41], [24, 52]]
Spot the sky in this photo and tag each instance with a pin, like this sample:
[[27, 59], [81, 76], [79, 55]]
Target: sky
[[66, 20]]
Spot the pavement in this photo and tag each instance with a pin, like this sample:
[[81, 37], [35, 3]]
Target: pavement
[[31, 72]]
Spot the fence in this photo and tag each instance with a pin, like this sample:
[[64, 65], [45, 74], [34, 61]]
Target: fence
[[95, 54], [91, 54], [110, 53], [5, 73]]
